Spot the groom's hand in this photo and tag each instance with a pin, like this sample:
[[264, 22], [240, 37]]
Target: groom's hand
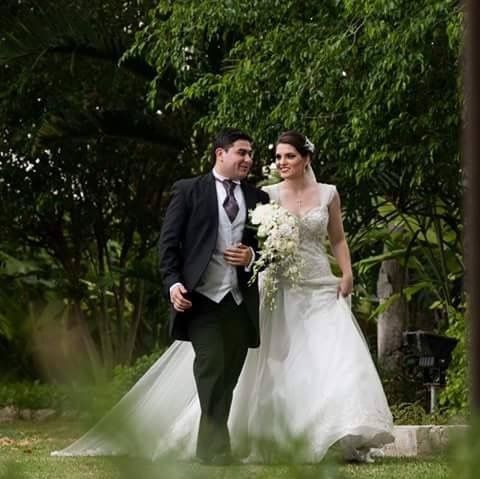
[[179, 301], [238, 255]]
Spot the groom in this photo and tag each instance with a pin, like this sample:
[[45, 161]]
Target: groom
[[206, 259]]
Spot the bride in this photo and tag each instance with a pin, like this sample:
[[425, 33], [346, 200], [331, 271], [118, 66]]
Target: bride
[[311, 383]]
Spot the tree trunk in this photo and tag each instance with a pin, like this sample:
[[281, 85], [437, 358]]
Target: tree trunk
[[471, 152], [392, 321]]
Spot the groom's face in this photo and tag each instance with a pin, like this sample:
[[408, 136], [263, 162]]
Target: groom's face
[[236, 161]]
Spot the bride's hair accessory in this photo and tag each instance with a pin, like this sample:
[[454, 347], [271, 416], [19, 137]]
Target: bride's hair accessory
[[298, 140], [309, 146]]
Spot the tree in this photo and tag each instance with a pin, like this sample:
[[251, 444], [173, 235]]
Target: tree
[[85, 167], [374, 85]]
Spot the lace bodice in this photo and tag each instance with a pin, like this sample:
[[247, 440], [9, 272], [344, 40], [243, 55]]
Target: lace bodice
[[313, 234]]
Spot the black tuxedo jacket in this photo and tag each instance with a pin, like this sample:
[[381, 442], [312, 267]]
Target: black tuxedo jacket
[[187, 241]]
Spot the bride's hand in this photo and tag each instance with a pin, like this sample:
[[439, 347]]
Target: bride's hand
[[345, 286]]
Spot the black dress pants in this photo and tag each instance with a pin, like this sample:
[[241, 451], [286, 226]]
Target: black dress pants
[[219, 335]]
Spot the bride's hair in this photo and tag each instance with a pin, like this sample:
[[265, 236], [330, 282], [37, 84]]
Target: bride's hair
[[300, 142]]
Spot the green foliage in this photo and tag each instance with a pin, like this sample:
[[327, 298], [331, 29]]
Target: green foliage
[[29, 296], [374, 87], [415, 413], [84, 173], [400, 390], [97, 399], [86, 166], [465, 452], [425, 237], [33, 396], [455, 397], [124, 377], [64, 397]]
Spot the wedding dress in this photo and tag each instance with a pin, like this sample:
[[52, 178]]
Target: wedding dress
[[311, 383]]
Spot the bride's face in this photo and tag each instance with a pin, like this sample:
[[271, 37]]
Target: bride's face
[[290, 163]]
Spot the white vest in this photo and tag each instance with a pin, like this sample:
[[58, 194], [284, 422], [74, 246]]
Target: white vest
[[219, 278]]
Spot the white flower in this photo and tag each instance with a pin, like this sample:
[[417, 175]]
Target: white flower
[[291, 246], [279, 257], [261, 213]]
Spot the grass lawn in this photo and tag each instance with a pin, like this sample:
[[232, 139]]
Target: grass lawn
[[25, 447]]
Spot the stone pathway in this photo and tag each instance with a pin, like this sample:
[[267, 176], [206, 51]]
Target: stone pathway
[[421, 441]]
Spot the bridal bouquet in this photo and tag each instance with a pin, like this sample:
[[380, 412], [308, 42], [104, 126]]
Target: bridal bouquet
[[278, 233]]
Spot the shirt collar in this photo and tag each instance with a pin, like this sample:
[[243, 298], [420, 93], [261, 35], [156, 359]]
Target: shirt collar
[[223, 178]]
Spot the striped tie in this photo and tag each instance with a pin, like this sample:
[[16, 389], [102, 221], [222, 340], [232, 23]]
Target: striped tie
[[230, 204]]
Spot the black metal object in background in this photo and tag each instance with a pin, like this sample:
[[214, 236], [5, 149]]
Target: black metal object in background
[[427, 357], [430, 353]]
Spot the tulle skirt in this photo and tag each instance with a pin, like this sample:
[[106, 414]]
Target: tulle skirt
[[312, 383]]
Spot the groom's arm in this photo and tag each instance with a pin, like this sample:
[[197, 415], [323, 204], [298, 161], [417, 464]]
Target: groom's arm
[[170, 244]]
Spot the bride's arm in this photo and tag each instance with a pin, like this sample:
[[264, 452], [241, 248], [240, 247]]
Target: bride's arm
[[336, 235]]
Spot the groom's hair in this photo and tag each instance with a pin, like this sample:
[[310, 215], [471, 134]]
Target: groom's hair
[[226, 138]]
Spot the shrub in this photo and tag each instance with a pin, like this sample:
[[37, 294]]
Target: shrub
[[455, 397], [415, 413], [61, 397], [33, 395]]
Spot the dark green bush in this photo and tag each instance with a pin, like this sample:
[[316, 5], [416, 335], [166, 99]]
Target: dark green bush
[[82, 398], [33, 395], [415, 413], [455, 397], [124, 377]]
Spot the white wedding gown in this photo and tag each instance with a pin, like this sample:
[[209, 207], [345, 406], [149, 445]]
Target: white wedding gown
[[312, 379]]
